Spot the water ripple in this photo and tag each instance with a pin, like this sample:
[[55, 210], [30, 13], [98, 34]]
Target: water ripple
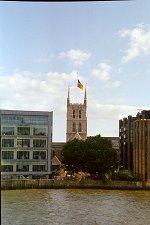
[[75, 207]]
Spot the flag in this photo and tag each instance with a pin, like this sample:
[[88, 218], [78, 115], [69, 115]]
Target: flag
[[80, 85]]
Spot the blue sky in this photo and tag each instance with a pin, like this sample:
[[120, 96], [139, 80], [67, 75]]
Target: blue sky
[[44, 47]]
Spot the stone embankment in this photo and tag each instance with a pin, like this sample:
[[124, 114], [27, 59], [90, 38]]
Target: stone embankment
[[84, 184]]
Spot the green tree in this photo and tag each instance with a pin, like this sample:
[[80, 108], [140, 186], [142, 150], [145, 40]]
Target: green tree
[[74, 155], [95, 155], [101, 157]]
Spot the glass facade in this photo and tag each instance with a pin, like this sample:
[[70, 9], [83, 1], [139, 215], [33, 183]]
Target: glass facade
[[22, 154], [6, 168], [39, 131], [25, 143], [23, 130], [39, 155], [25, 120], [8, 131], [8, 143], [39, 168], [7, 154]]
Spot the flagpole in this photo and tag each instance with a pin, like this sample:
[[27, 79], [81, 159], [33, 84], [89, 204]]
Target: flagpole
[[76, 86]]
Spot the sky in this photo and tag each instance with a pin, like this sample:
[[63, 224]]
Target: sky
[[47, 46]]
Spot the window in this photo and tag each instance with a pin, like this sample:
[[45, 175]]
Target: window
[[7, 119], [39, 143], [7, 155], [8, 131], [53, 153], [38, 168], [8, 143], [80, 114], [39, 131], [74, 127], [80, 127], [25, 143], [21, 167], [7, 168], [74, 114], [23, 155], [39, 155], [23, 130]]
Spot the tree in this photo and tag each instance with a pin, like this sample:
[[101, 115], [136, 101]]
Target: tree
[[101, 157], [95, 155], [74, 155]]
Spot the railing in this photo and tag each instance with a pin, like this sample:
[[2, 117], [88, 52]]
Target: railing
[[52, 183]]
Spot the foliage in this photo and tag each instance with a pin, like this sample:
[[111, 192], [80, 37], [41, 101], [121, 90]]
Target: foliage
[[74, 155], [95, 155], [106, 177], [125, 175]]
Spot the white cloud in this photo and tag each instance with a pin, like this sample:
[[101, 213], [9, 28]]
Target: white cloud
[[139, 41], [27, 90], [102, 71], [77, 56], [104, 118], [112, 111], [48, 91]]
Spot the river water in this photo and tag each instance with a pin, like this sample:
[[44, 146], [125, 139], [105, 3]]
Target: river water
[[75, 207]]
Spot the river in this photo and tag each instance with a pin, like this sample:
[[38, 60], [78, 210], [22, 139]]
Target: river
[[75, 207]]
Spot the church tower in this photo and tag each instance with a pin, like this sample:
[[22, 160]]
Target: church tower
[[76, 119]]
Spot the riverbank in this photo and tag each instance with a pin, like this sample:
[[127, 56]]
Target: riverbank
[[63, 184]]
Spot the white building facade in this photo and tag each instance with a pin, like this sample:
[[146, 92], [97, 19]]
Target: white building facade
[[25, 143]]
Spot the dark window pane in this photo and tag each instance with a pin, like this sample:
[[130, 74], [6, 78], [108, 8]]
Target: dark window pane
[[8, 131], [7, 168], [21, 167], [23, 130], [80, 127], [25, 143], [39, 131], [39, 155], [74, 127], [38, 168], [23, 155], [8, 143], [39, 143], [7, 155]]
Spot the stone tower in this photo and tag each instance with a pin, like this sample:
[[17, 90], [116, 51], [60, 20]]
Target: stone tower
[[76, 119]]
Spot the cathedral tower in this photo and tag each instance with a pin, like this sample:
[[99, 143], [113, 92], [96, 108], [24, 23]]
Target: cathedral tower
[[76, 119]]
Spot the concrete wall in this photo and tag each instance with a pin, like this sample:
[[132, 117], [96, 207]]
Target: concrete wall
[[51, 183]]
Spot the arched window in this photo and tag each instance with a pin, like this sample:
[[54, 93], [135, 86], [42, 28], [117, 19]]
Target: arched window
[[74, 127], [74, 114], [80, 127], [80, 114]]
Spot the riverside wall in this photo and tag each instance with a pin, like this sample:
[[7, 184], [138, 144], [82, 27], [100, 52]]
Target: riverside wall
[[84, 184]]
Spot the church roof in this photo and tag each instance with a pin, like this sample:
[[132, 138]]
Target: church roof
[[77, 136], [56, 161]]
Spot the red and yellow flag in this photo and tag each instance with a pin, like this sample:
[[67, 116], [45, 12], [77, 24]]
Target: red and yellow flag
[[80, 85]]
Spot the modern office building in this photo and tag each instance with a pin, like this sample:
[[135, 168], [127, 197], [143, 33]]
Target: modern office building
[[76, 119], [25, 143], [141, 153], [126, 142], [134, 138]]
